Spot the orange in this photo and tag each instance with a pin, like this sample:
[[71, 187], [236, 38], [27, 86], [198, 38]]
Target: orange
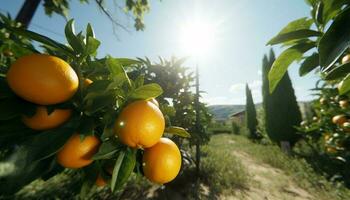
[[42, 79], [87, 82], [339, 119], [162, 162], [77, 153], [343, 104], [140, 124], [41, 120], [154, 101], [345, 59], [100, 181]]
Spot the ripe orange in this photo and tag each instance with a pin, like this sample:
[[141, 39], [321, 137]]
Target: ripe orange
[[100, 181], [77, 153], [140, 124], [343, 104], [154, 101], [42, 79], [162, 162], [87, 82], [41, 120], [345, 59], [339, 119]]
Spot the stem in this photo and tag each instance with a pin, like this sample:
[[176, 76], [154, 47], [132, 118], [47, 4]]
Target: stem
[[27, 12]]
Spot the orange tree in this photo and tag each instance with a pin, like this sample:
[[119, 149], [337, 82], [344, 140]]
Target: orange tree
[[62, 107], [177, 100], [322, 41]]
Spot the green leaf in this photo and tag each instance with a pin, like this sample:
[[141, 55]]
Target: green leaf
[[139, 81], [299, 24], [47, 143], [319, 12], [116, 169], [126, 168], [107, 150], [336, 40], [125, 62], [42, 39], [90, 31], [338, 72], [309, 64], [344, 85], [293, 35], [91, 46], [179, 131], [281, 64], [9, 108], [148, 91], [72, 39]]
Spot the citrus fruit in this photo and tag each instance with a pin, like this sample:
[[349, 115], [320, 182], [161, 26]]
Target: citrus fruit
[[345, 59], [140, 124], [162, 162], [41, 120], [77, 152], [343, 104], [87, 82], [100, 181], [339, 119], [42, 79]]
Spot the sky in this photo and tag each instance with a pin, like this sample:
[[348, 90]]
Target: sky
[[242, 29]]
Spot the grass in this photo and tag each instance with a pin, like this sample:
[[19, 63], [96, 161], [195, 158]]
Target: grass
[[301, 172]]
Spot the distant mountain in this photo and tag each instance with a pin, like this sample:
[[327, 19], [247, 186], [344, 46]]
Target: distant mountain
[[223, 112]]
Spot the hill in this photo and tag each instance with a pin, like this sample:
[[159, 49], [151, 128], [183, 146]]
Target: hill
[[223, 112]]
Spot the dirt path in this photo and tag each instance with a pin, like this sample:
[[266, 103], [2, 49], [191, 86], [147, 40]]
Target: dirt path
[[268, 183]]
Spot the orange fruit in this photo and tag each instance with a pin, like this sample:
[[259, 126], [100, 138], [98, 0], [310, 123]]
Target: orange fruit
[[154, 101], [343, 104], [42, 79], [87, 82], [77, 153], [41, 120], [162, 162], [345, 59], [331, 150], [339, 119], [140, 124], [100, 181]]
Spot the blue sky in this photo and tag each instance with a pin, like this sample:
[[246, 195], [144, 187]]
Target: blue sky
[[242, 29]]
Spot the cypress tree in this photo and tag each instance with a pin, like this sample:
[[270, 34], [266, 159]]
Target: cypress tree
[[281, 110], [250, 114]]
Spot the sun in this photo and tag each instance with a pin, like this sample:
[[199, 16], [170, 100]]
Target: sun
[[197, 37]]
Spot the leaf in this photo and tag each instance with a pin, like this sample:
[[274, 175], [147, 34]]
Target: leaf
[[47, 143], [107, 150], [139, 81], [344, 85], [116, 169], [299, 24], [309, 64], [148, 91], [125, 62], [89, 31], [126, 168], [91, 46], [336, 40], [73, 40], [281, 64], [9, 108], [338, 72], [293, 35], [319, 12], [42, 39], [179, 131]]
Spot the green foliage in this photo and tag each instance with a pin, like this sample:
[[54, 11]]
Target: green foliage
[[137, 8], [281, 111], [30, 154], [250, 114], [329, 142], [330, 18]]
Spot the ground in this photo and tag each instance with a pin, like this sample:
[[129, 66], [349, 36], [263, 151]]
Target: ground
[[232, 167]]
